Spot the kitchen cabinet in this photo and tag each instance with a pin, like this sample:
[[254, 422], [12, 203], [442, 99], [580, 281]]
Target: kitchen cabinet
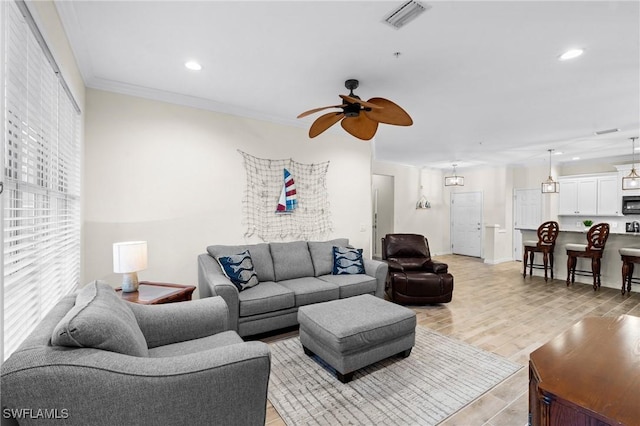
[[609, 199], [589, 196], [578, 197]]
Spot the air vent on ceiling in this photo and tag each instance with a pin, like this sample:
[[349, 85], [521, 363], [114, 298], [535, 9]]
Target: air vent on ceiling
[[404, 14], [604, 132]]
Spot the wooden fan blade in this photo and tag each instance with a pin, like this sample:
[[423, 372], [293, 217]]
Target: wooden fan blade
[[323, 122], [390, 113], [361, 127], [311, 111], [352, 100]]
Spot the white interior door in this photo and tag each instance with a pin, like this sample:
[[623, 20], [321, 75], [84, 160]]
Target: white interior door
[[383, 197], [466, 223], [527, 213]]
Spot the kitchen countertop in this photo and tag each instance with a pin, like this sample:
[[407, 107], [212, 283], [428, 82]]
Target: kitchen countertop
[[584, 231]]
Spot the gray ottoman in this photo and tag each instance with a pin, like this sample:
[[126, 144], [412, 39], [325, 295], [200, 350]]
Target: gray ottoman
[[352, 333]]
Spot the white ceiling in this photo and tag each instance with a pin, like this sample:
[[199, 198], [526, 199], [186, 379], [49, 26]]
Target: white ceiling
[[481, 79]]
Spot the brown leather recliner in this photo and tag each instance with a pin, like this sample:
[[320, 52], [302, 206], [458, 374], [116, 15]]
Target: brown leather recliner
[[413, 277]]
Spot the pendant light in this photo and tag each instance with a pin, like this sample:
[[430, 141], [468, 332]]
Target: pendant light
[[454, 180], [550, 186], [633, 180]]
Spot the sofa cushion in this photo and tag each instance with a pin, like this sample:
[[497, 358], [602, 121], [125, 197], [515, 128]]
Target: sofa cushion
[[260, 256], [206, 343], [291, 260], [100, 319], [347, 261], [239, 269], [352, 285], [310, 290], [267, 297], [322, 254]]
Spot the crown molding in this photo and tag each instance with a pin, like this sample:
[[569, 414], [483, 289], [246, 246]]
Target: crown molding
[[187, 100]]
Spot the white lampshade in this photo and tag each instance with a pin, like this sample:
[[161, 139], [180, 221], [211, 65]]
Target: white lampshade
[[128, 258]]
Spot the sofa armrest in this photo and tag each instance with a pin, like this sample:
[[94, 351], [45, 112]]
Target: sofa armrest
[[225, 386], [177, 322], [212, 282], [377, 269]]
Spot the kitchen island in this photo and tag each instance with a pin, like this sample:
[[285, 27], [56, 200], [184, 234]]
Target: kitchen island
[[611, 266]]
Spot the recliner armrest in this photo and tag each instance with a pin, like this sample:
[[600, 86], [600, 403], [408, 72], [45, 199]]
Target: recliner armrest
[[436, 267], [394, 266]]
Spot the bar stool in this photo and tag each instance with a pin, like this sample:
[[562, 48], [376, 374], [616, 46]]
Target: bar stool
[[596, 240], [547, 234], [629, 257]]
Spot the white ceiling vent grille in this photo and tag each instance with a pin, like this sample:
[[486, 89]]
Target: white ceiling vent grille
[[404, 14]]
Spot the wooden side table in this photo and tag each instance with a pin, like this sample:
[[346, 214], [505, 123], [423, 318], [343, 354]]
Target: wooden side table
[[587, 375], [150, 293]]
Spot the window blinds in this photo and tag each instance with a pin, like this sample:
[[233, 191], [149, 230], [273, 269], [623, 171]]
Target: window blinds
[[41, 199]]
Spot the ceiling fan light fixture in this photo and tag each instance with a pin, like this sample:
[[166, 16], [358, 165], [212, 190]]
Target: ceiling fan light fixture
[[454, 180], [404, 14]]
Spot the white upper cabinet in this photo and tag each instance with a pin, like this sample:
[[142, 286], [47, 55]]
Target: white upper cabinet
[[609, 199], [589, 196]]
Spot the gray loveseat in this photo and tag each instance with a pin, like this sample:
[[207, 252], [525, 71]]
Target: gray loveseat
[[147, 365], [290, 274]]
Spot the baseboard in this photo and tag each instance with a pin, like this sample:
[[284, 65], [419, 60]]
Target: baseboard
[[496, 261]]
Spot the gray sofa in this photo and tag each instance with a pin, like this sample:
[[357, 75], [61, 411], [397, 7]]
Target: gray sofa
[[146, 365], [290, 274]]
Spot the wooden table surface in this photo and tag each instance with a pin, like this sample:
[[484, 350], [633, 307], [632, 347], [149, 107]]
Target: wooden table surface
[[595, 365], [152, 293]]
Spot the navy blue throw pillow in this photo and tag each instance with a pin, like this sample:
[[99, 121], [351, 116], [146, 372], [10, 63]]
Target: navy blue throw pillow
[[239, 269], [347, 261]]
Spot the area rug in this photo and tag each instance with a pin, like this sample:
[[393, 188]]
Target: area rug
[[441, 376]]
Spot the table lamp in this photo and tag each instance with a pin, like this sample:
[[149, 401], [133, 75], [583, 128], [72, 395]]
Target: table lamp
[[129, 257]]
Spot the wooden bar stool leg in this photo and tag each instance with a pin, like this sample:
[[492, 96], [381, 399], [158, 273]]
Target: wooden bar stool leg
[[571, 269], [524, 262], [595, 270], [551, 263], [531, 253], [625, 273], [545, 263], [631, 267]]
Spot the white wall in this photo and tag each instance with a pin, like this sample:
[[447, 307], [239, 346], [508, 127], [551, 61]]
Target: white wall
[[172, 175], [495, 183], [432, 223]]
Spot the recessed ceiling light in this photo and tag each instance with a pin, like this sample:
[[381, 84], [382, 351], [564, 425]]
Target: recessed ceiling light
[[193, 66], [570, 54], [575, 158], [557, 152]]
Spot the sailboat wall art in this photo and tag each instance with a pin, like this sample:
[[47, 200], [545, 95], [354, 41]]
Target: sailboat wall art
[[288, 201]]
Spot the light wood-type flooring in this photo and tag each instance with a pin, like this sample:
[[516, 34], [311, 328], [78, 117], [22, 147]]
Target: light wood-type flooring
[[498, 310]]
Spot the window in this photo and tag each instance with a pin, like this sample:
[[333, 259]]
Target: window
[[41, 198]]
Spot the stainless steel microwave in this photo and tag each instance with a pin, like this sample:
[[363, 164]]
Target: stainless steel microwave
[[631, 204]]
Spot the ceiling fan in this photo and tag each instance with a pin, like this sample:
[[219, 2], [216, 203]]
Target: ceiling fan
[[359, 118]]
